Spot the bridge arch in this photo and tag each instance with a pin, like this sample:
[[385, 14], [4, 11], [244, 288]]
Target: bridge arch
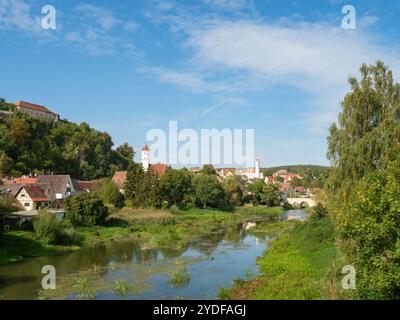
[[302, 202]]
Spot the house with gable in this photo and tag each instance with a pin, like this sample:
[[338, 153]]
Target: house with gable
[[32, 198], [62, 186]]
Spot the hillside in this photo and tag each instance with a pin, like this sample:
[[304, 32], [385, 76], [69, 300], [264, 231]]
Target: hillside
[[300, 168], [29, 145]]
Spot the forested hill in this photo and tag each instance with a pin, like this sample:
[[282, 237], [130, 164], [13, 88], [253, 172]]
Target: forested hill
[[302, 169], [28, 146]]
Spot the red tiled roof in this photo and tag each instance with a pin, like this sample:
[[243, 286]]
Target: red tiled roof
[[35, 193], [285, 186], [159, 169], [88, 185], [58, 182], [119, 179], [225, 171], [32, 106], [26, 180]]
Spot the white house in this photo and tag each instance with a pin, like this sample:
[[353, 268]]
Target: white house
[[32, 198]]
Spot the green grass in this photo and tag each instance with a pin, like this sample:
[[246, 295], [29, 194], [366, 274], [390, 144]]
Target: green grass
[[153, 228], [17, 245], [297, 265]]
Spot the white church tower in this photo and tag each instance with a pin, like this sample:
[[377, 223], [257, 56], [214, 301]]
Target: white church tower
[[145, 159], [257, 173]]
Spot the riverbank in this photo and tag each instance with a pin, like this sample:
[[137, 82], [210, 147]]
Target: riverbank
[[302, 263], [152, 228]]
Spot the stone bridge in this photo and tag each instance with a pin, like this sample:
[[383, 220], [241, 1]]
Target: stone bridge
[[302, 202]]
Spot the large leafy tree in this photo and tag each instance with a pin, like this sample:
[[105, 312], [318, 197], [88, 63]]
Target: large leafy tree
[[264, 193], [208, 190], [85, 209], [367, 127], [233, 187], [175, 185], [363, 185]]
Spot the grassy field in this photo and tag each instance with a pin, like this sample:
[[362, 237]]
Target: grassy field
[[301, 263], [153, 228]]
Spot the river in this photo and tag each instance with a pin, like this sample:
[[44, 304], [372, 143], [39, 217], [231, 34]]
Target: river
[[211, 263]]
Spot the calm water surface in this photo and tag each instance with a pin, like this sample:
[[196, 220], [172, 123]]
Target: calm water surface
[[212, 262]]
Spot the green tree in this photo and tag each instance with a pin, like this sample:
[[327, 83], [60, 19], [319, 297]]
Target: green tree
[[256, 189], [175, 185], [271, 195], [147, 193], [85, 209], [371, 223], [134, 177], [109, 193], [233, 187], [208, 190], [208, 169], [363, 184]]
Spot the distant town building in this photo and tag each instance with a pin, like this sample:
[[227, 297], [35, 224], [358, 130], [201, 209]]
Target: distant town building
[[224, 173], [251, 173], [37, 111], [287, 176]]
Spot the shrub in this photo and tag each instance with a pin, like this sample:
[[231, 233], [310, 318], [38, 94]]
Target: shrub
[[109, 193], [47, 227], [85, 209]]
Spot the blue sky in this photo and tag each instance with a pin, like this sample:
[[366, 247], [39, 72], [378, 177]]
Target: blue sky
[[125, 67]]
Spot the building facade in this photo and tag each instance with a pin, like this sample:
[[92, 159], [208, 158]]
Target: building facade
[[37, 111]]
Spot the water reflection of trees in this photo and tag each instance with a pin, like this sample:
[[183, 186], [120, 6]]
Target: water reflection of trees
[[235, 234]]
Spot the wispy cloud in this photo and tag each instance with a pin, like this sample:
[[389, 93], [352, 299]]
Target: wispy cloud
[[16, 15], [256, 55], [98, 31]]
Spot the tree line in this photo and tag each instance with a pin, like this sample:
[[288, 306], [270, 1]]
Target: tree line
[[204, 189]]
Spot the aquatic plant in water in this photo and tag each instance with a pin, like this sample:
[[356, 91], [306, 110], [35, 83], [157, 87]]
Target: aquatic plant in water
[[122, 287], [180, 277], [85, 289]]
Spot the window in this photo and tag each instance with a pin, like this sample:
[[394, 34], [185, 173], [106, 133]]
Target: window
[[22, 195], [27, 204]]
